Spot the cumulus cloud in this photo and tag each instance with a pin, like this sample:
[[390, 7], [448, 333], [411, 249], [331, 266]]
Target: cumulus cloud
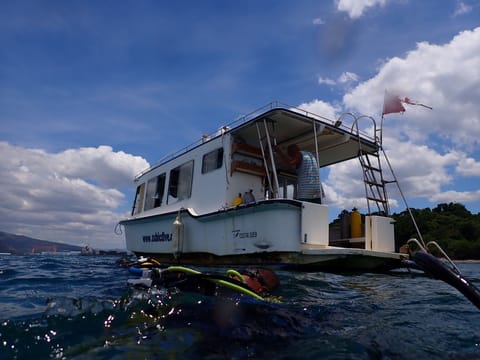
[[70, 196], [446, 77], [321, 108], [468, 166], [85, 162], [421, 172], [355, 8]]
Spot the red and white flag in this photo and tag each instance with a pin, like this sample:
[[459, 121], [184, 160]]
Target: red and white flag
[[392, 104], [410, 102]]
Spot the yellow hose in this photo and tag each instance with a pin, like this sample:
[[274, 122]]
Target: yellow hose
[[234, 273], [183, 269], [235, 287]]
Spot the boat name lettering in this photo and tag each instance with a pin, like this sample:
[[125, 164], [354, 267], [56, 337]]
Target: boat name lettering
[[157, 237], [242, 235]]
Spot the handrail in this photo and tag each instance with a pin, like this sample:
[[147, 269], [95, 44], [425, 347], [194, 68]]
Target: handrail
[[434, 243], [355, 124]]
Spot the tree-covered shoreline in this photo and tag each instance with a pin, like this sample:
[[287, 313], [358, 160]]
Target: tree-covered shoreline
[[451, 225]]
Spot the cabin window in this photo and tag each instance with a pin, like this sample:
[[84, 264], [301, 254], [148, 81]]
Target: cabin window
[[212, 160], [155, 190], [138, 201], [180, 184]]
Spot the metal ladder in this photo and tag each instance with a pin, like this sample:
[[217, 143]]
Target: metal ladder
[[373, 179], [375, 190]]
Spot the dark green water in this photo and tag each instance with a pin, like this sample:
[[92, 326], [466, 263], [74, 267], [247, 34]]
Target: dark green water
[[68, 307]]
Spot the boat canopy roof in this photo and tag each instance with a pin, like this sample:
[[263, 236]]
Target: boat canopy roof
[[333, 141]]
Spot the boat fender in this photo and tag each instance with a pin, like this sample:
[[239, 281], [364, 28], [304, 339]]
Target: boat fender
[[177, 236], [442, 271]]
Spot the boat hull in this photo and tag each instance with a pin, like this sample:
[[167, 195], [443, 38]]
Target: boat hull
[[277, 233], [336, 261]]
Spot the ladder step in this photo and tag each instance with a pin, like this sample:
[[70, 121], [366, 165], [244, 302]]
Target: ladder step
[[367, 154], [370, 167], [373, 183], [377, 200]]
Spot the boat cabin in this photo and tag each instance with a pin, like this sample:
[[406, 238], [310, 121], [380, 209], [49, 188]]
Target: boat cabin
[[240, 160]]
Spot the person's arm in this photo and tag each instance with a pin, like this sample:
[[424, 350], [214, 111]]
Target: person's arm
[[287, 159]]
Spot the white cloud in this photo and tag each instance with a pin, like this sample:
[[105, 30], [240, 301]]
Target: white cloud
[[326, 81], [318, 21], [420, 170], [462, 9], [86, 162], [343, 186], [446, 77], [355, 8], [421, 173], [71, 196], [468, 166], [321, 108], [419, 143], [463, 197], [346, 78]]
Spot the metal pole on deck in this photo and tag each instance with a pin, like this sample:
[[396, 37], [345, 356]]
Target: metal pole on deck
[[317, 156], [272, 160]]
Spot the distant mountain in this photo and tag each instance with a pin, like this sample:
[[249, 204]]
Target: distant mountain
[[22, 245]]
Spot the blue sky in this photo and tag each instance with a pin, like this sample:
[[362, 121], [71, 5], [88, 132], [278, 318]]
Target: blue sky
[[94, 91]]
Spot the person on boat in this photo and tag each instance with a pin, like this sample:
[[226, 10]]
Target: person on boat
[[308, 183], [248, 197], [238, 200]]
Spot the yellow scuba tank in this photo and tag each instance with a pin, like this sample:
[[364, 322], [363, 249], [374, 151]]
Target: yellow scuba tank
[[355, 224]]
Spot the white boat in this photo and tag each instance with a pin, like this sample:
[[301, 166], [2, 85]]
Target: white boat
[[186, 208]]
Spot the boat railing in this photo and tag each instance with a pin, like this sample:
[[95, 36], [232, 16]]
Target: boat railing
[[355, 129], [247, 117]]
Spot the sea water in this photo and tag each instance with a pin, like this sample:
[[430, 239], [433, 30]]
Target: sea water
[[80, 307]]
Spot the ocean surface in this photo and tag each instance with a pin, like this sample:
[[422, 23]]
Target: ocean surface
[[78, 307]]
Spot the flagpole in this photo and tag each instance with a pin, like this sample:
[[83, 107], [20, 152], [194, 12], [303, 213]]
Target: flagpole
[[381, 131]]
